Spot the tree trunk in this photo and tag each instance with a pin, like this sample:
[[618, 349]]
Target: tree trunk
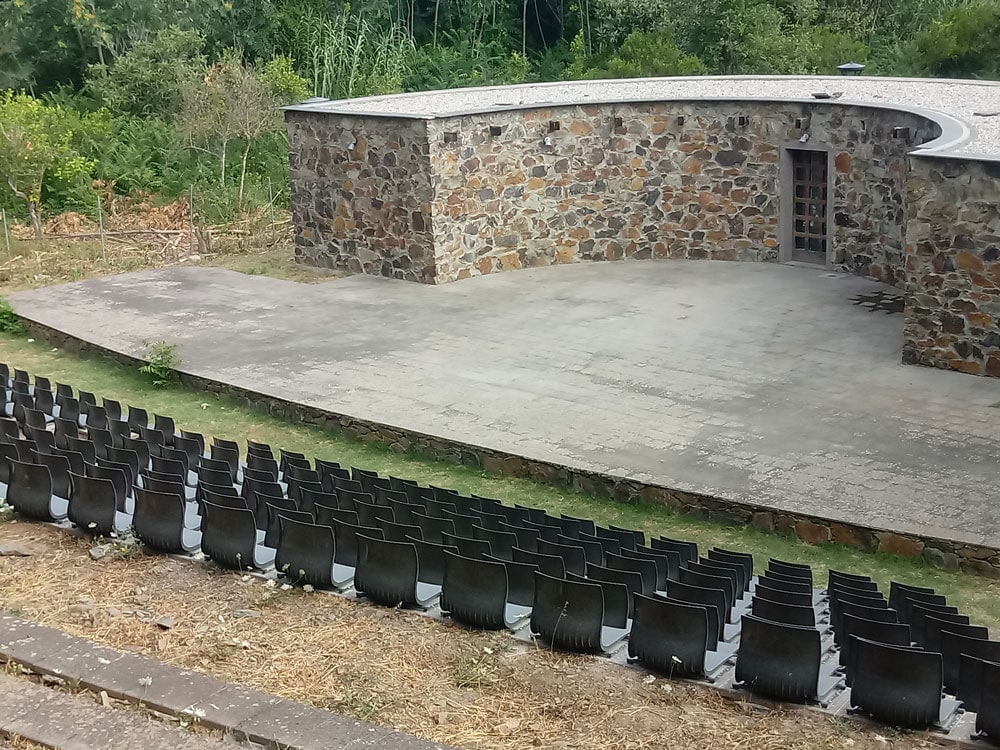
[[243, 173], [36, 218], [222, 160], [437, 7]]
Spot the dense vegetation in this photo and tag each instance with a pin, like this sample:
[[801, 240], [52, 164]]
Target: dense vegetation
[[156, 96]]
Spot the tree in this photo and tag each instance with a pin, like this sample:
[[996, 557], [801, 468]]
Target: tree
[[963, 43], [37, 141], [233, 101], [640, 55], [148, 79]]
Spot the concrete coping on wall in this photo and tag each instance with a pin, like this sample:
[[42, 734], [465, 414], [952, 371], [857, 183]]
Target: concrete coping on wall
[[970, 102]]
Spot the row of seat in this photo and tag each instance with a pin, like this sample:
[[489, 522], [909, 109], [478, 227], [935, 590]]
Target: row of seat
[[580, 586]]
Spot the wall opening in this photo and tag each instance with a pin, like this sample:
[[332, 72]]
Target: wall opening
[[810, 236]]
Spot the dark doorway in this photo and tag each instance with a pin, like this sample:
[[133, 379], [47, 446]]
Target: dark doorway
[[810, 181]]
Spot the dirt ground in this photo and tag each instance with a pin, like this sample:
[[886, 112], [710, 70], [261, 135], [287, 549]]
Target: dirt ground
[[465, 688]]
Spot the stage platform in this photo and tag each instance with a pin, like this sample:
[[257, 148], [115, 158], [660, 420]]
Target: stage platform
[[769, 384]]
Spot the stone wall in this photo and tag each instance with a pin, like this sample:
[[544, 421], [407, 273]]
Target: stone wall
[[661, 180], [361, 195], [953, 265], [447, 198]]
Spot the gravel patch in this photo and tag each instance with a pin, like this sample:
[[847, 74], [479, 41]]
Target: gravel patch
[[975, 103]]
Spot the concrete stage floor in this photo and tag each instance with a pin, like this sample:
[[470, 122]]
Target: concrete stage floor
[[755, 382]]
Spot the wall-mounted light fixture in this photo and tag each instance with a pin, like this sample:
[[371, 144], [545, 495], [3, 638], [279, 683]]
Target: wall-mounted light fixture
[[804, 138]]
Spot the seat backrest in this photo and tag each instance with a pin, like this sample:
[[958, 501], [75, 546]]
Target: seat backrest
[[790, 614], [308, 498], [737, 569], [726, 579], [159, 519], [954, 645], [474, 591], [743, 558], [630, 580], [626, 538], [895, 684], [7, 451], [118, 475], [387, 572], [668, 563], [526, 538], [325, 515], [893, 633], [971, 670], [59, 471], [919, 614], [29, 491], [215, 476], [274, 509], [305, 551], [670, 636], [859, 581], [688, 551], [550, 565], [616, 600], [346, 541], [988, 715], [228, 454], [568, 614], [792, 570], [898, 590], [703, 580], [432, 528], [467, 546], [92, 503], [785, 597], [935, 623], [593, 551], [138, 417], [879, 614], [229, 535], [786, 583], [574, 558], [645, 569], [520, 581], [778, 660], [712, 597], [397, 532], [580, 525], [430, 560]]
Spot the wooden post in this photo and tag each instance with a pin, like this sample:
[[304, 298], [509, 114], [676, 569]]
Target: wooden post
[[270, 209], [191, 220]]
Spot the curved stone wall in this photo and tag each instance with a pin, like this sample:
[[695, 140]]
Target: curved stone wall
[[664, 180]]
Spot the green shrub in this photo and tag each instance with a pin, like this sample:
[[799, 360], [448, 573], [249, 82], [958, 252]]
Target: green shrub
[[9, 320], [161, 363]]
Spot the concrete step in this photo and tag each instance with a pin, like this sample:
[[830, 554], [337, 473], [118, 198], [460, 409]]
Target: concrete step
[[65, 721]]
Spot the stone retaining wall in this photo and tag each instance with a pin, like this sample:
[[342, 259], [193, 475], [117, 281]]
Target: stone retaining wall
[[941, 553], [953, 265]]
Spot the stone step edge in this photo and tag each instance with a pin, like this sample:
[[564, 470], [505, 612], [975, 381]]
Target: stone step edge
[[244, 713], [947, 554], [56, 719]]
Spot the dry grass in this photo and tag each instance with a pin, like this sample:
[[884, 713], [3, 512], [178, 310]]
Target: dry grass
[[11, 742], [465, 688]]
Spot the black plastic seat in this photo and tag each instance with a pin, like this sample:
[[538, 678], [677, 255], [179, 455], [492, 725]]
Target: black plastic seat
[[166, 426], [897, 685], [729, 568], [310, 498], [287, 457], [402, 510], [229, 537], [626, 538], [788, 583], [792, 570], [616, 600], [463, 523], [96, 418], [388, 573], [783, 661], [526, 538], [305, 553], [574, 558], [346, 499], [742, 558], [675, 638], [704, 580], [898, 590], [953, 646], [630, 580], [228, 454], [858, 581], [570, 615], [839, 593], [197, 437], [397, 532], [128, 457], [328, 471], [58, 470], [118, 476], [935, 624], [477, 549], [645, 569], [345, 558], [661, 564], [545, 531], [475, 592], [971, 671], [929, 602], [216, 477], [84, 447], [137, 418], [101, 440], [373, 515], [687, 550], [713, 597], [273, 510], [892, 633], [550, 565], [112, 408], [789, 614], [430, 560], [785, 597], [879, 614], [432, 528], [93, 506], [325, 515], [501, 543], [988, 715], [43, 440], [29, 492], [119, 432], [162, 522], [63, 430], [919, 615]]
